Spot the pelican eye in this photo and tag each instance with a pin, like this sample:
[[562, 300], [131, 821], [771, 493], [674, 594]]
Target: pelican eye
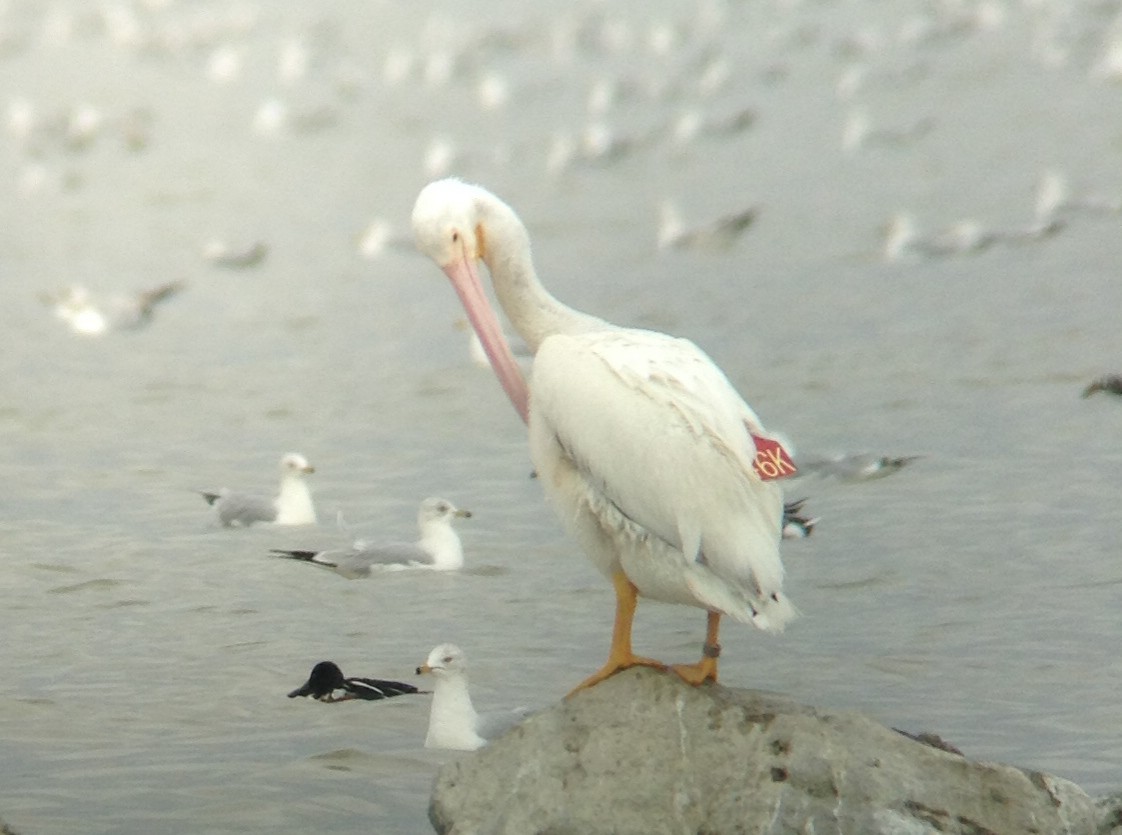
[[455, 236], [447, 659]]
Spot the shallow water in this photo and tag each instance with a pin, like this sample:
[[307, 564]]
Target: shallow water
[[147, 652]]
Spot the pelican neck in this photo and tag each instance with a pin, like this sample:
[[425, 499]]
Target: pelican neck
[[533, 311]]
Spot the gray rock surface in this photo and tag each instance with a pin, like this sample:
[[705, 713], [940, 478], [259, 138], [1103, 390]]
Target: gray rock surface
[[644, 753], [1110, 814]]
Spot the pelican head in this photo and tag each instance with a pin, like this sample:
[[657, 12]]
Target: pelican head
[[452, 223], [446, 222]]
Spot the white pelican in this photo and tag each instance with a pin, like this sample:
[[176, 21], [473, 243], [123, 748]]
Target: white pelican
[[292, 506], [438, 549], [653, 461]]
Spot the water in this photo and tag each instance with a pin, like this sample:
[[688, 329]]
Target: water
[[147, 652]]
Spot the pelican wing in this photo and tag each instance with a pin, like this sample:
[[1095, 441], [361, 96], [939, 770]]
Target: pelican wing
[[658, 431]]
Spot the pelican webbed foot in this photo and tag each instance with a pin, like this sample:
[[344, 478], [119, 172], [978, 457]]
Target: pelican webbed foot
[[705, 669], [614, 665], [699, 673], [620, 656]]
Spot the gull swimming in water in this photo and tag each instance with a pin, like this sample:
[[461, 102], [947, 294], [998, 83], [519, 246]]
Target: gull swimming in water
[[1111, 383], [902, 238], [795, 525], [718, 234], [438, 549], [77, 307], [328, 684], [862, 466], [222, 254], [453, 722], [292, 505]]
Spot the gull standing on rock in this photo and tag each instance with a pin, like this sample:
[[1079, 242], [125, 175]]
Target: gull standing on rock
[[653, 461], [292, 506], [438, 549]]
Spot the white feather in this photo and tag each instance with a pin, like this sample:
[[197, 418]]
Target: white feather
[[657, 442]]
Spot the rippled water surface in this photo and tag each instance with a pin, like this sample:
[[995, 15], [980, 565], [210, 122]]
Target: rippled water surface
[[146, 652]]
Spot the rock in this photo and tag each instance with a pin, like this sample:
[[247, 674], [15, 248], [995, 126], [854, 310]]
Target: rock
[[644, 753], [1110, 814]]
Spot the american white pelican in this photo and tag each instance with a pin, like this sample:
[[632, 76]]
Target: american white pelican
[[453, 722], [438, 549], [328, 684], [292, 506], [654, 462]]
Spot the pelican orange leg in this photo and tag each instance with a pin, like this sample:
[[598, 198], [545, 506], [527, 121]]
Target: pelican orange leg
[[706, 668], [620, 656]]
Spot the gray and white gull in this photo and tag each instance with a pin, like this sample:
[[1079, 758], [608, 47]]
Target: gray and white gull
[[291, 506], [438, 549], [453, 720]]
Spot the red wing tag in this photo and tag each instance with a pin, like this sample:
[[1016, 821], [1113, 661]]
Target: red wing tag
[[772, 460]]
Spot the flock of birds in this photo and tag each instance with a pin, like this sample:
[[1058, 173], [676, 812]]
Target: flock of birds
[[691, 100], [699, 524], [1056, 205], [438, 548], [453, 721]]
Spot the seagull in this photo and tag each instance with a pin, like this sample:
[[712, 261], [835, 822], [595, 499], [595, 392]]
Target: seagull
[[961, 238], [795, 525], [327, 679], [1111, 383], [438, 549], [655, 464], [292, 506], [719, 234], [78, 308], [862, 466], [453, 722], [222, 254], [1054, 197]]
